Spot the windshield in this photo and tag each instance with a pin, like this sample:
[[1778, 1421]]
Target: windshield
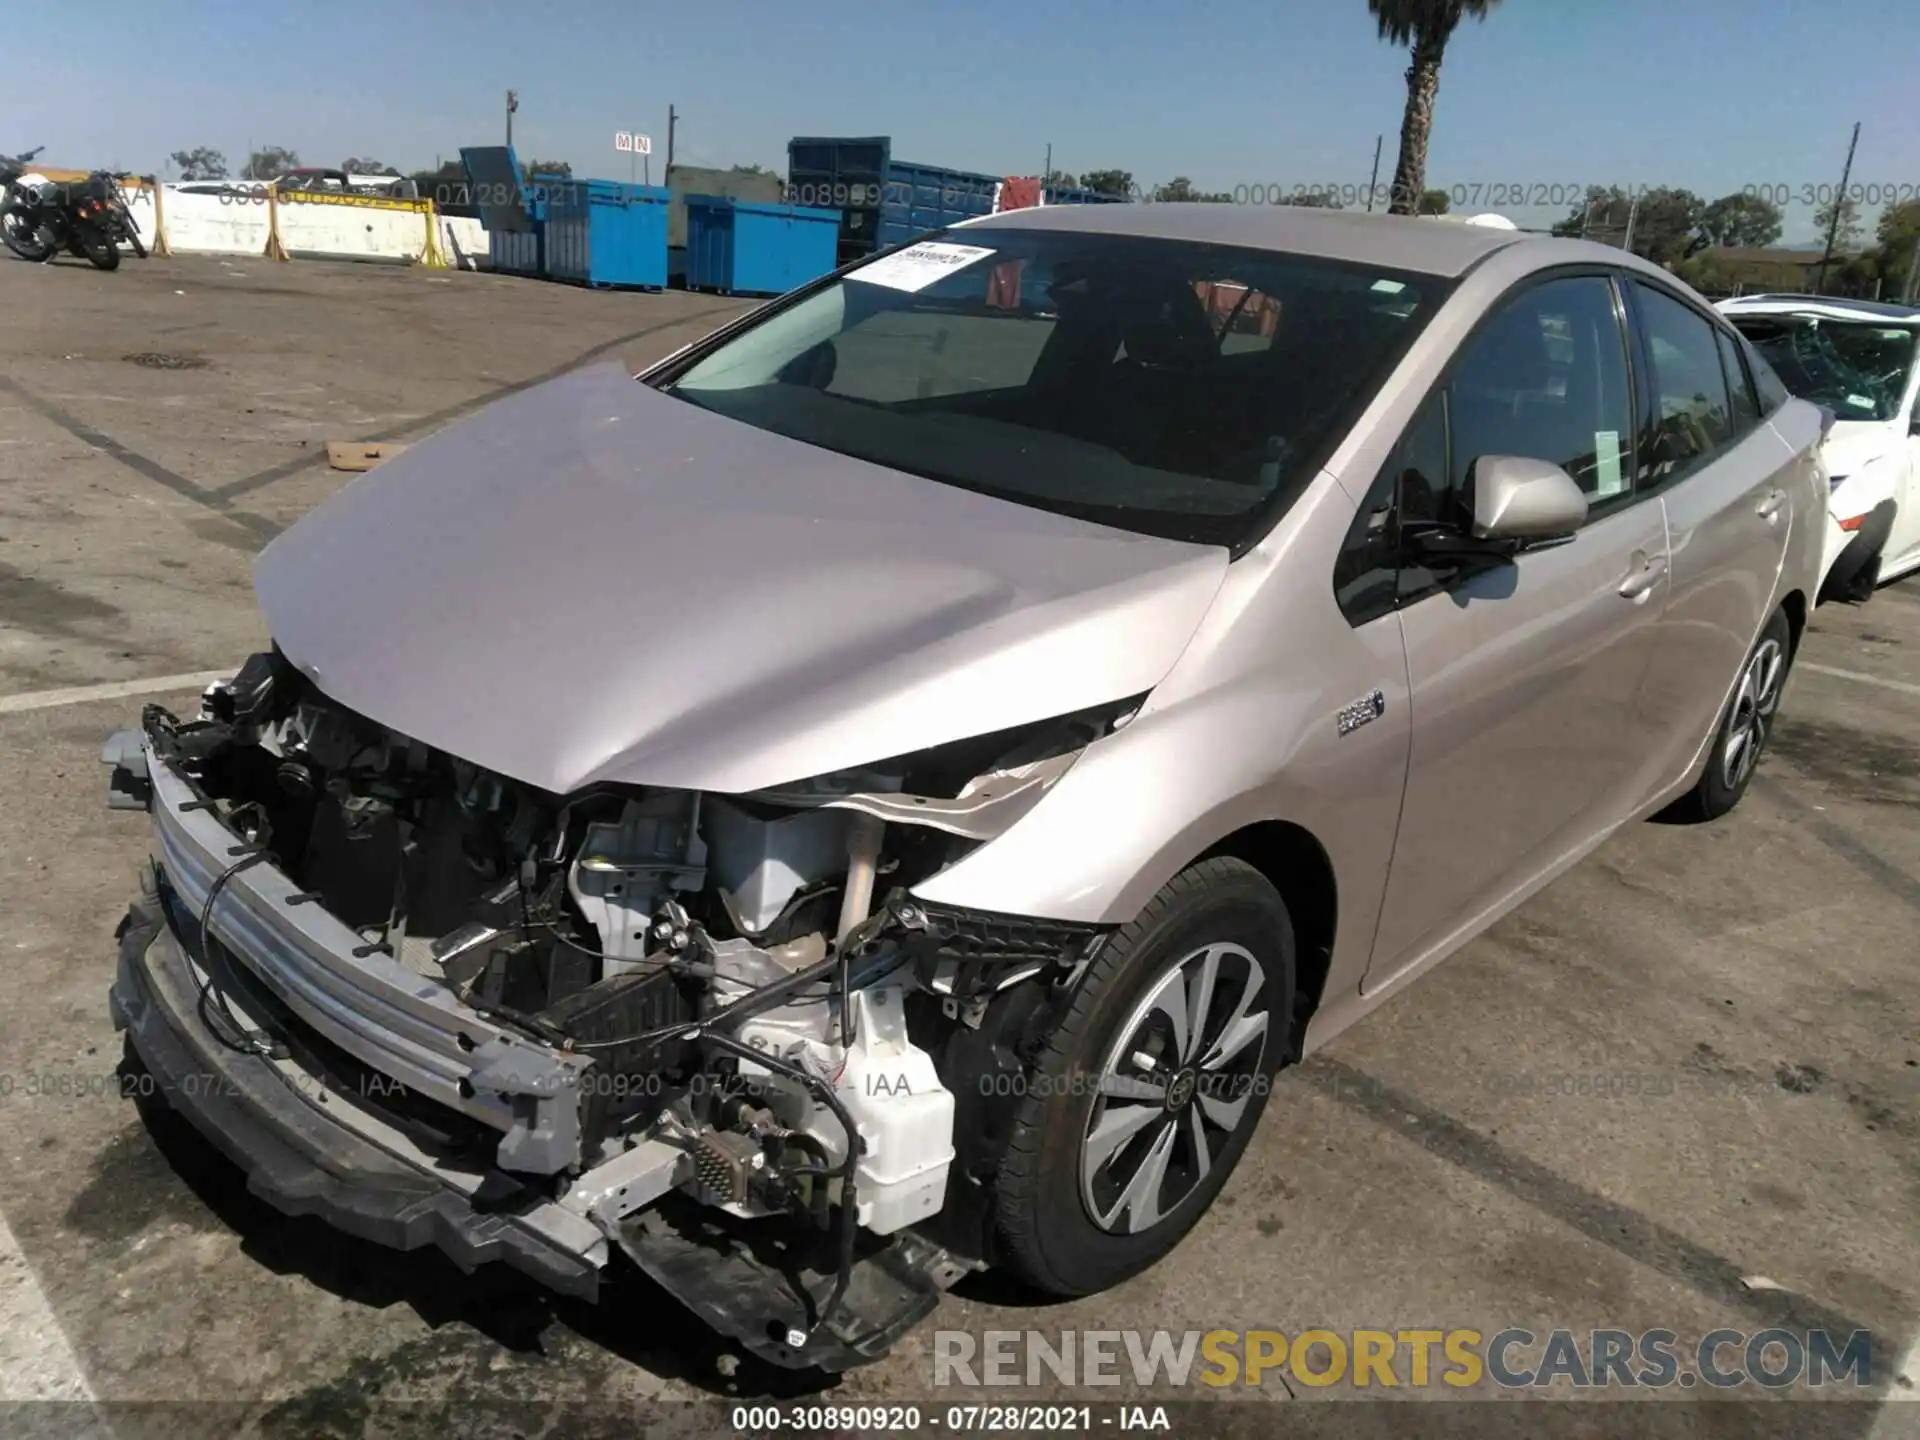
[[1165, 387], [1857, 369]]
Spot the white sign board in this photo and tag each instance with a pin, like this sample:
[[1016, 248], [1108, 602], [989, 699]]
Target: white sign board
[[918, 266], [626, 141]]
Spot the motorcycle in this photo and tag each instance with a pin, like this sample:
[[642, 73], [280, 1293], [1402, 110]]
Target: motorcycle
[[88, 217], [19, 205], [12, 167]]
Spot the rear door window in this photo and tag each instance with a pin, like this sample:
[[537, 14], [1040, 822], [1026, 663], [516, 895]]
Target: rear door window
[[1767, 383], [1692, 410], [1746, 407]]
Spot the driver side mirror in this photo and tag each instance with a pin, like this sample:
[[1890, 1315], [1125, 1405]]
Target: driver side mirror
[[1517, 502], [1520, 499]]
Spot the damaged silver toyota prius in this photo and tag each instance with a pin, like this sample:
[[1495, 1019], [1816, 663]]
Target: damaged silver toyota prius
[[882, 793]]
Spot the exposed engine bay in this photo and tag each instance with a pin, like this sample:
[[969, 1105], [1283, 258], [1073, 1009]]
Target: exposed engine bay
[[759, 1016]]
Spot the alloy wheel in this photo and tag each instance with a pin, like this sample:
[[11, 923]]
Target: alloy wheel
[[1754, 704], [1174, 1088]]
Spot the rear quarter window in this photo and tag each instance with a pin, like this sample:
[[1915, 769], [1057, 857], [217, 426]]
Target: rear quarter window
[[1773, 393]]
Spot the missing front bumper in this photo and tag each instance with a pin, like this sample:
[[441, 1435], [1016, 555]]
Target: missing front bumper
[[310, 1149], [406, 1027], [303, 1160]]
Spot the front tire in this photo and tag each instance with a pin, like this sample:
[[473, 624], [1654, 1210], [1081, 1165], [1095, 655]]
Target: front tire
[[21, 235], [133, 232], [1745, 726], [1145, 1096]]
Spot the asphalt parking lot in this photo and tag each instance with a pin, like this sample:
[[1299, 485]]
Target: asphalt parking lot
[[1679, 1089]]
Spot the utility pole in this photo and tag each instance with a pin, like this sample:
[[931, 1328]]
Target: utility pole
[[1046, 171], [513, 104], [1633, 214], [1833, 221], [1374, 183], [673, 119], [1911, 290]]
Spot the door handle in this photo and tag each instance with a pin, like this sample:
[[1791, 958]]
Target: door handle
[[1644, 576], [1769, 508]]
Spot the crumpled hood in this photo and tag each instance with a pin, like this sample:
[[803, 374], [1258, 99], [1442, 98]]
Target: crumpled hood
[[591, 581]]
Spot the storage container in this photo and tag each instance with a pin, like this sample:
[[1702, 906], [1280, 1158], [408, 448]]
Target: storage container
[[742, 247], [519, 252], [882, 201], [759, 186], [603, 232], [513, 214]]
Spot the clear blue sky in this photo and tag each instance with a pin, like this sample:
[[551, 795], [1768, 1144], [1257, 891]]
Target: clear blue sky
[[1708, 94]]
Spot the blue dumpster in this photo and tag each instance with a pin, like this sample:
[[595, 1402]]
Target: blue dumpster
[[519, 252], [882, 201], [513, 214], [602, 232], [749, 247]]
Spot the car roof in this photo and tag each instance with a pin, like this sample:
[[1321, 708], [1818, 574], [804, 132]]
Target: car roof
[[1397, 242], [1831, 306]]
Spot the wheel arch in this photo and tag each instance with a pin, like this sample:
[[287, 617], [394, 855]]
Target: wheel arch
[[1294, 861], [1795, 605]]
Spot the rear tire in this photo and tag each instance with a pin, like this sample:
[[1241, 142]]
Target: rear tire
[[1740, 739], [98, 247], [1143, 1099]]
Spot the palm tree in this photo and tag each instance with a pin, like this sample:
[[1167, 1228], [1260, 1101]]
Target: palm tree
[[1424, 26]]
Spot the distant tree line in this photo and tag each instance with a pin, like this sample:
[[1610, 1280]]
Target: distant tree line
[[206, 163], [1675, 228]]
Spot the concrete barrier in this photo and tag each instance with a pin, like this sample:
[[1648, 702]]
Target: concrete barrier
[[463, 240], [353, 227], [199, 224], [297, 225]]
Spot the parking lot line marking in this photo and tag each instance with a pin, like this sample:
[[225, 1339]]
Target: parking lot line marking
[[1883, 872], [36, 1361], [447, 416], [1618, 1227], [108, 690], [1902, 686], [255, 528]]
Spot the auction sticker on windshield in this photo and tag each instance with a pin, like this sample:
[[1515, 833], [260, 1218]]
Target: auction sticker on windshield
[[919, 266]]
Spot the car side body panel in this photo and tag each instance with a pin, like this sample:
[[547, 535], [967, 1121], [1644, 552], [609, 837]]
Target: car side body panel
[[1797, 426], [1244, 728], [1531, 723], [1731, 526]]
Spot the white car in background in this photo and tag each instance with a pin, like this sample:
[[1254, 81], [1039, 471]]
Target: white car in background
[[1858, 359]]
